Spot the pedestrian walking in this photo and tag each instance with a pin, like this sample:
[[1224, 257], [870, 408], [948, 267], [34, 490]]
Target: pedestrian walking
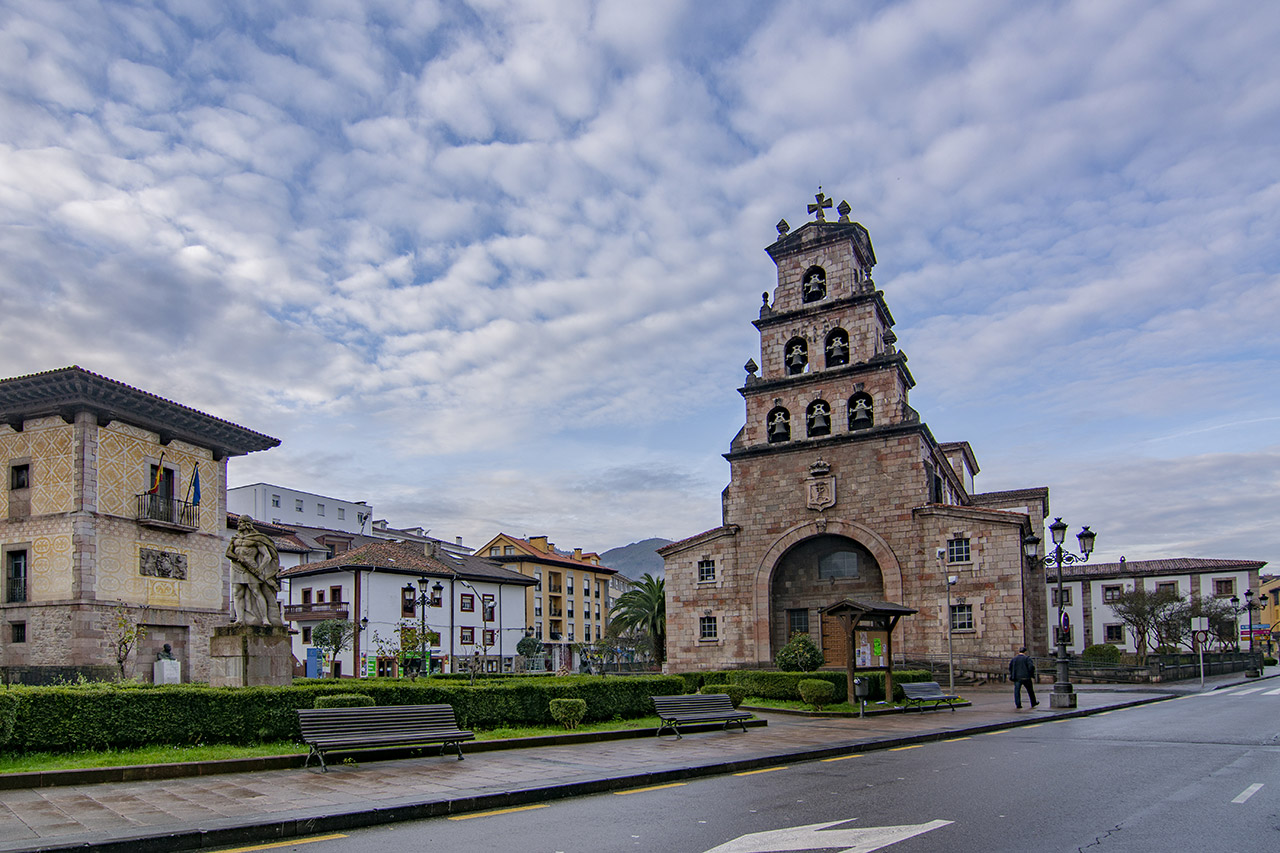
[[1022, 672]]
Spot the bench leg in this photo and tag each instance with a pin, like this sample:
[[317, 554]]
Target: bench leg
[[668, 724]]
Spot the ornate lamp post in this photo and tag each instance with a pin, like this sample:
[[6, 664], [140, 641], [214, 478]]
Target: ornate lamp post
[[1253, 670], [423, 599], [1063, 695]]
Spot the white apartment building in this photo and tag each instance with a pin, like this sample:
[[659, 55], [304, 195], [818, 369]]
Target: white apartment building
[[474, 607], [280, 505], [1087, 591]]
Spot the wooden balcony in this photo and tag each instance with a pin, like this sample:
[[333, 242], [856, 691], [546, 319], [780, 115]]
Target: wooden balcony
[[316, 612]]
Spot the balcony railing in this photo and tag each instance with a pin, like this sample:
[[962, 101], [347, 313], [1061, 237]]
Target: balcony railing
[[170, 513], [317, 612], [555, 587]]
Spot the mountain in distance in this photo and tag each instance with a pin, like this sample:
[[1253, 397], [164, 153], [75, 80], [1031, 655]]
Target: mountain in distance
[[637, 558]]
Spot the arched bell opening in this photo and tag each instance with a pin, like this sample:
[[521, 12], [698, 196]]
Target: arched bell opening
[[837, 348], [813, 574], [818, 418], [796, 356], [778, 425], [861, 411], [813, 285]]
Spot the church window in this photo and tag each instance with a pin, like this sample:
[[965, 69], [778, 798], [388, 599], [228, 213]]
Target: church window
[[797, 622], [958, 550], [707, 627], [962, 617], [861, 411], [797, 356], [813, 286], [838, 564], [818, 418], [779, 428], [837, 348], [706, 570]]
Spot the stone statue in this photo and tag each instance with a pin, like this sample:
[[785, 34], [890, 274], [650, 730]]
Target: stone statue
[[166, 653], [255, 563]]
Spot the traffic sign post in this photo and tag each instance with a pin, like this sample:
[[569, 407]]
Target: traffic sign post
[[1200, 630]]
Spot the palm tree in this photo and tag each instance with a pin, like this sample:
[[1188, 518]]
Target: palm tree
[[644, 606]]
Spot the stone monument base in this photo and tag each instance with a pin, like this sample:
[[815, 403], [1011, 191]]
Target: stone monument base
[[166, 672], [250, 656]]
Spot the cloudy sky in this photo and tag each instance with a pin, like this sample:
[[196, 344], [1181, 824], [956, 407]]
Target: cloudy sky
[[492, 266]]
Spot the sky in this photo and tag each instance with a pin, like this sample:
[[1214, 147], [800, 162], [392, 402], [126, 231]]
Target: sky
[[492, 266]]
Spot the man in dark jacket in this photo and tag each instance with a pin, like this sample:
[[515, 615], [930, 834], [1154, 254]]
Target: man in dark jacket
[[1022, 672]]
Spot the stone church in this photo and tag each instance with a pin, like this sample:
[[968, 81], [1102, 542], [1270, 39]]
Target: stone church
[[839, 491]]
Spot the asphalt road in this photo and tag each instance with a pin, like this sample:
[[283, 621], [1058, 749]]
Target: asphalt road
[[1198, 773]]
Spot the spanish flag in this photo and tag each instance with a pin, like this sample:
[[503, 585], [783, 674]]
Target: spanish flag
[[155, 485]]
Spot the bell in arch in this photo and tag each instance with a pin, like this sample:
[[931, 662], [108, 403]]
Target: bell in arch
[[860, 413], [819, 420]]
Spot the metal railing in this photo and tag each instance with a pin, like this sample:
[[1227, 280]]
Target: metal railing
[[168, 511]]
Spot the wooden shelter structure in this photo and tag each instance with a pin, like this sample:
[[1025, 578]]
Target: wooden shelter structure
[[880, 616]]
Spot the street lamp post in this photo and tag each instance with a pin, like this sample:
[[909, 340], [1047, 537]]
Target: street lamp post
[[1253, 670], [951, 663], [423, 599], [1063, 695]]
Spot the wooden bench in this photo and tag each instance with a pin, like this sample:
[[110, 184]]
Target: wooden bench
[[697, 708], [919, 692], [344, 729]]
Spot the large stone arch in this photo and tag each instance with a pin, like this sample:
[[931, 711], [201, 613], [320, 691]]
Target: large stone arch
[[890, 569]]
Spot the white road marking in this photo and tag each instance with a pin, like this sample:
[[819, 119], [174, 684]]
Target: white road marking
[[1275, 692], [817, 836], [1248, 792], [1245, 692]]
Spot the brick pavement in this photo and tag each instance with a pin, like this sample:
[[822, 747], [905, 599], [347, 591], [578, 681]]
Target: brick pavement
[[204, 811]]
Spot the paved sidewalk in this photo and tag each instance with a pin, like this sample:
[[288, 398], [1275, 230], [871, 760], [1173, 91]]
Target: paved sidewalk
[[238, 808]]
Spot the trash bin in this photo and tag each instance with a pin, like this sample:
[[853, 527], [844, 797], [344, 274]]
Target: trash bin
[[861, 688]]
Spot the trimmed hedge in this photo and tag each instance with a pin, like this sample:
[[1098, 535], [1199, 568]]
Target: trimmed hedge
[[1103, 652], [734, 691], [8, 712], [773, 684], [817, 692], [122, 715], [345, 700]]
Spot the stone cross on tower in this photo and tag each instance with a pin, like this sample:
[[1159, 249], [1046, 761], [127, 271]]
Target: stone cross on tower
[[817, 209]]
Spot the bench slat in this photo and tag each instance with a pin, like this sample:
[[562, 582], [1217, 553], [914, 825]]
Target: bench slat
[[919, 692]]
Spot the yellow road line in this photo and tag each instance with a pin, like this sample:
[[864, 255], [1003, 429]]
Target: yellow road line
[[955, 739], [289, 843], [900, 748], [754, 772], [498, 812], [844, 757], [652, 788], [1000, 732], [1034, 726]]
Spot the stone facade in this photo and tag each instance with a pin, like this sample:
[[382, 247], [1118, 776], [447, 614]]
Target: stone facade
[[852, 497], [83, 544]]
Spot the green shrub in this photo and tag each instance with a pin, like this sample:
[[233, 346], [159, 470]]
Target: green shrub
[[1265, 662], [735, 693], [817, 692], [1102, 653], [345, 700], [568, 712], [800, 654], [692, 680]]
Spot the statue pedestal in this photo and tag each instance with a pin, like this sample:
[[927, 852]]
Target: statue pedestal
[[166, 672], [250, 656]]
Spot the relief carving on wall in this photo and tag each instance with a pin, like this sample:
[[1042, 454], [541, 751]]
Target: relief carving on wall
[[821, 486], [162, 564]]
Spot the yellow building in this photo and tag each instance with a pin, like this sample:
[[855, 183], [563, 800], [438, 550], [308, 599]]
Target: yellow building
[[115, 501], [570, 602], [1269, 585]]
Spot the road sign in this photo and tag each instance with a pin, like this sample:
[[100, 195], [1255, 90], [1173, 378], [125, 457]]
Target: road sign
[[819, 836]]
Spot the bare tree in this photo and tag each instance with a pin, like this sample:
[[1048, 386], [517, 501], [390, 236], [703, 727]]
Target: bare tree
[[1144, 611], [124, 633]]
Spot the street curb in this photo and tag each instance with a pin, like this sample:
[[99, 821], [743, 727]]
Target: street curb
[[179, 770], [295, 827]]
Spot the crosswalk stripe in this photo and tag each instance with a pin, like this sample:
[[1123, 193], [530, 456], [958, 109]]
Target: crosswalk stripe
[[1245, 692], [1275, 692]]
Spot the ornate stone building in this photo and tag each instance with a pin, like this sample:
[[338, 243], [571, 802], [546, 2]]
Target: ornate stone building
[[103, 517], [838, 490]]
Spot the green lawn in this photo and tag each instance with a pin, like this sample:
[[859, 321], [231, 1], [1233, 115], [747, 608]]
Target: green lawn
[[35, 761]]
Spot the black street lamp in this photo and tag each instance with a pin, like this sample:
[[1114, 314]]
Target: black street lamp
[[1063, 695], [423, 599], [1253, 670]]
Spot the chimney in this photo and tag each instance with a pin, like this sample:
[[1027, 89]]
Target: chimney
[[540, 543], [433, 549], [577, 553]]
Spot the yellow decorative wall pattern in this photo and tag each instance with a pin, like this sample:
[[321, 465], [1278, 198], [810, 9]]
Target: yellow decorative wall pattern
[[51, 568], [125, 455], [47, 443]]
